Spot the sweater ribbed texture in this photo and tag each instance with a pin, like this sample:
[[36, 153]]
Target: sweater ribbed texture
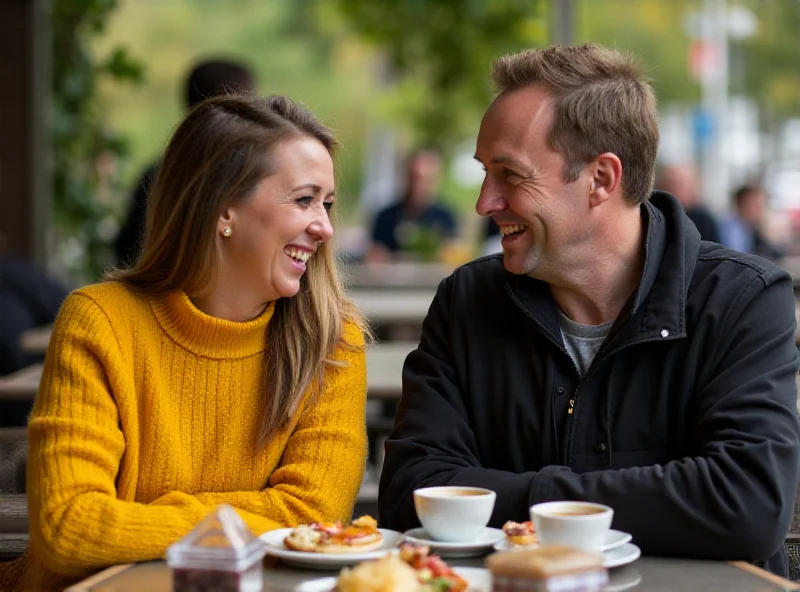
[[147, 418]]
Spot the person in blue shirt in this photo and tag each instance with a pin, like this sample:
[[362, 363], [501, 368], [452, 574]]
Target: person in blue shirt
[[415, 225], [742, 230]]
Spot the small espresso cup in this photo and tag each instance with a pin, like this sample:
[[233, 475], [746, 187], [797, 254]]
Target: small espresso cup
[[581, 525], [454, 514]]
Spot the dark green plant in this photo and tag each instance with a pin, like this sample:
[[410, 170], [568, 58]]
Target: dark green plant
[[85, 151]]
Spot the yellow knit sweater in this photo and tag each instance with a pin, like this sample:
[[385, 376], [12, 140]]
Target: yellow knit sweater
[[147, 418]]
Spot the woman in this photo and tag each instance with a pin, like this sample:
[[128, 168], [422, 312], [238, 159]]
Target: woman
[[226, 367]]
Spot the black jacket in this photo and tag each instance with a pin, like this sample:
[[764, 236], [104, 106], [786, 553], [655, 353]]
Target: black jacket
[[685, 424]]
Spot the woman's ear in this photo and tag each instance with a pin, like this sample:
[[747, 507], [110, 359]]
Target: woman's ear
[[225, 223]]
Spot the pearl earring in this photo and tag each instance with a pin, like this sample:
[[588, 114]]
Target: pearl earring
[[227, 231]]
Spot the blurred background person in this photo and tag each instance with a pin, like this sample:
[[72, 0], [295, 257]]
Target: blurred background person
[[29, 298], [209, 78], [744, 229], [681, 180], [418, 224]]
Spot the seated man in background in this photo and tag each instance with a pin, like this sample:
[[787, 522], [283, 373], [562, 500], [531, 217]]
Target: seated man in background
[[417, 223], [207, 79], [743, 231], [681, 181], [608, 354]]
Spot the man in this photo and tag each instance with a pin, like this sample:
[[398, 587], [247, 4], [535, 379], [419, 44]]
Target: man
[[416, 223], [607, 354], [681, 181], [207, 79], [742, 231]]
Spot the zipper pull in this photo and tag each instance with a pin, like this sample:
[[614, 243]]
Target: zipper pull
[[571, 406]]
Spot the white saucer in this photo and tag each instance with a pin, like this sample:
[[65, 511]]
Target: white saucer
[[614, 539], [479, 546], [623, 555], [480, 580], [332, 561], [623, 579]]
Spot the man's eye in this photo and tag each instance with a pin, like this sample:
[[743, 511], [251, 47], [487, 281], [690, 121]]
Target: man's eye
[[511, 177]]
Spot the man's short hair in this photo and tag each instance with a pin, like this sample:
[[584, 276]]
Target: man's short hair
[[212, 78], [603, 103], [745, 191]]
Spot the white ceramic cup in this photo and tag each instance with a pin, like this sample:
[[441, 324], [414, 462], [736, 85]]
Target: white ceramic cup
[[582, 525], [454, 514]]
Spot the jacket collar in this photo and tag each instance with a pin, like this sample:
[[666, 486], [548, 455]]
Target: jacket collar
[[657, 308]]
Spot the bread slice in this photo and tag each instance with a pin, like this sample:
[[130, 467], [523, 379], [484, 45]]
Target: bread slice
[[351, 539], [523, 539], [543, 563], [362, 545], [520, 533], [303, 538]]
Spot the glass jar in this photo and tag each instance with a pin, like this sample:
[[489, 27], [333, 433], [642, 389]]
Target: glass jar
[[219, 555]]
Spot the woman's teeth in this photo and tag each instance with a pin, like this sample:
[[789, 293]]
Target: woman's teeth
[[297, 254]]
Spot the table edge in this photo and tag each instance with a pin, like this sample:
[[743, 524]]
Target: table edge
[[765, 575], [114, 570], [98, 578]]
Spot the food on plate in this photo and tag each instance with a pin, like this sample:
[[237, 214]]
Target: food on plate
[[433, 573], [389, 574], [413, 569], [520, 533], [553, 567], [360, 536]]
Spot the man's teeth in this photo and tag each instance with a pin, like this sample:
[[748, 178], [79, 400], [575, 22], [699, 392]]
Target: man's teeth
[[298, 254], [511, 229]]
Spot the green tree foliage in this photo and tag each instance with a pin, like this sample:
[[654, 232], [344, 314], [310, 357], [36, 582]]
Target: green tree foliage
[[439, 54], [85, 150], [763, 67], [769, 65]]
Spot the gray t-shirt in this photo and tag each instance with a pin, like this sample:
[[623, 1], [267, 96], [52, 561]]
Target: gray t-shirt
[[582, 341]]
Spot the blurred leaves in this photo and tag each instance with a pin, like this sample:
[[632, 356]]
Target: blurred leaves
[[85, 150], [763, 67], [770, 58], [438, 54]]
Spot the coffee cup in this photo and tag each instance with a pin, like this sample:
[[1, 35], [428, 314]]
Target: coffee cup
[[581, 525], [454, 514]]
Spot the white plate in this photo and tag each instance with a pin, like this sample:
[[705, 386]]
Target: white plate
[[479, 546], [627, 553], [614, 539], [275, 547], [480, 580]]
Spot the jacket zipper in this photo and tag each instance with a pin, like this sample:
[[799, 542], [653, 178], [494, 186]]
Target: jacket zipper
[[571, 410]]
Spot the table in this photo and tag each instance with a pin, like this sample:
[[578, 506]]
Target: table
[[35, 341], [22, 384], [383, 307], [397, 275], [384, 369], [646, 574]]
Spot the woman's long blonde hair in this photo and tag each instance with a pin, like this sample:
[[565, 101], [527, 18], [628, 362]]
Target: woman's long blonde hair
[[216, 157]]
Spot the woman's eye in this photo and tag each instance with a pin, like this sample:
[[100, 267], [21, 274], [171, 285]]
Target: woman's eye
[[305, 200], [328, 205]]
